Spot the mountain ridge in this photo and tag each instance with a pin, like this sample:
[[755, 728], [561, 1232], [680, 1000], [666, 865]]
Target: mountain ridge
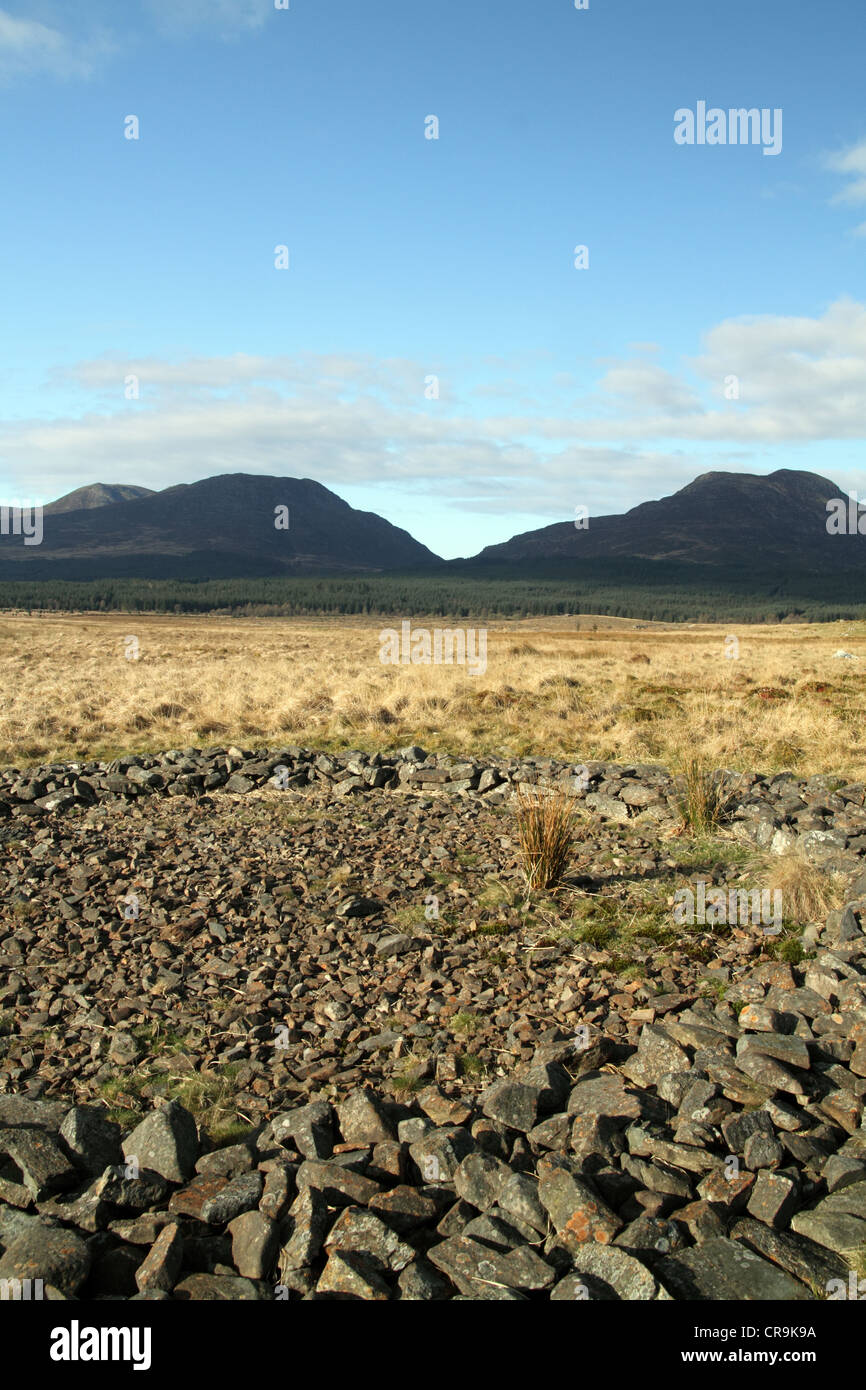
[[227, 526], [230, 525], [717, 519]]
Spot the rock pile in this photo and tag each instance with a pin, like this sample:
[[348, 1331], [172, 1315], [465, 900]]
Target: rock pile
[[826, 813], [442, 1094], [720, 1156]]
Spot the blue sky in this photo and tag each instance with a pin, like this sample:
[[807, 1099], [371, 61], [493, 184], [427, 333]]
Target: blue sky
[[413, 258]]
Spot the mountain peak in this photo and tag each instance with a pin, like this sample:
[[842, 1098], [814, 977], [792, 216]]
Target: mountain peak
[[96, 495], [231, 525], [776, 519]]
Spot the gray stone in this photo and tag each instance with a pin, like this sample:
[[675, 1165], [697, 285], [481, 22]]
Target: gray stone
[[396, 944], [210, 1287], [483, 1273], [723, 1269], [480, 1179], [841, 1170], [657, 1054], [784, 1047], [58, 1257], [606, 1095], [622, 1273], [766, 1071], [238, 1196], [652, 1235], [92, 1139], [348, 1275], [340, 1186], [363, 1232], [363, 1120], [513, 1103], [577, 1212], [255, 1241], [44, 1167], [762, 1151], [801, 1258], [518, 1198], [739, 1128], [307, 1223], [310, 1129], [227, 1162], [421, 1281], [773, 1198], [439, 1154], [838, 1222], [162, 1264], [165, 1142]]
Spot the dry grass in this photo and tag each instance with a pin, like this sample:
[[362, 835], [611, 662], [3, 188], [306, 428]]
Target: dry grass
[[705, 793], [809, 891], [545, 829], [548, 688]]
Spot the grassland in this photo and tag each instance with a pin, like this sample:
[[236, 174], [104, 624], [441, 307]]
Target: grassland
[[773, 698]]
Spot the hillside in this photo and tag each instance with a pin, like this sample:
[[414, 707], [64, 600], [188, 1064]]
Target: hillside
[[720, 519], [217, 528]]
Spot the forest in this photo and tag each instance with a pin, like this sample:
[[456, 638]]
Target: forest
[[630, 589]]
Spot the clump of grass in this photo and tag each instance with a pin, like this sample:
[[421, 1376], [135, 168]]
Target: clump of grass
[[465, 1023], [468, 1064], [789, 949], [704, 797], [808, 891], [716, 989], [596, 934], [209, 1096], [493, 929], [408, 1080], [546, 830]]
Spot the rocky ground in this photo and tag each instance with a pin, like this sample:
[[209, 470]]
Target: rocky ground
[[281, 1024]]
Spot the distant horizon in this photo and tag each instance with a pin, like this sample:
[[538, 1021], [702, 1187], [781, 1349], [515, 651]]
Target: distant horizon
[[583, 522]]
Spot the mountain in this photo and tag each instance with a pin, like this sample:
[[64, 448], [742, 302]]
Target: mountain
[[96, 495], [222, 527], [720, 525], [721, 519]]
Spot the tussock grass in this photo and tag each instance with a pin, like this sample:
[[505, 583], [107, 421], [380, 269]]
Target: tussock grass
[[546, 832], [705, 794], [809, 891]]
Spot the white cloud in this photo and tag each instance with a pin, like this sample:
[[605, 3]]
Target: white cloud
[[223, 18], [354, 420], [642, 384], [852, 163], [29, 48], [799, 379]]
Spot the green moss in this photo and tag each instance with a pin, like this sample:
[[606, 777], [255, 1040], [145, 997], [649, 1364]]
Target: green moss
[[465, 1023], [468, 1064], [789, 949]]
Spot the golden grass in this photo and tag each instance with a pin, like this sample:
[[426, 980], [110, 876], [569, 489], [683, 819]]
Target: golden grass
[[545, 830], [548, 688], [704, 796], [809, 891]]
